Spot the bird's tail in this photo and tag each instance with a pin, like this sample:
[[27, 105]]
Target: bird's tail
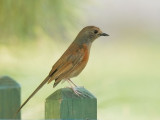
[[36, 90]]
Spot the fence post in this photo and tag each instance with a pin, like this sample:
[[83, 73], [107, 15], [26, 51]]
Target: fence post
[[65, 104], [9, 98]]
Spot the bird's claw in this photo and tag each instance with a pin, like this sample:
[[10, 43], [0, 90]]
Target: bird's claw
[[77, 92]]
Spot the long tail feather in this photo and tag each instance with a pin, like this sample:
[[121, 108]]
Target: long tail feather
[[36, 90]]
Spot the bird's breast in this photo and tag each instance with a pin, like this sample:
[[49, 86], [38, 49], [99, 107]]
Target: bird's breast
[[84, 50]]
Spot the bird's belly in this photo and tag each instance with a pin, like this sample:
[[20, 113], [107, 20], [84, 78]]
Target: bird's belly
[[78, 69]]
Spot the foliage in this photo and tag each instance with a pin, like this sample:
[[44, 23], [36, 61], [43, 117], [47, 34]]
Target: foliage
[[22, 18]]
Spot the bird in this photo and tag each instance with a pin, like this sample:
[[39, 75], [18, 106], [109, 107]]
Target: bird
[[73, 60]]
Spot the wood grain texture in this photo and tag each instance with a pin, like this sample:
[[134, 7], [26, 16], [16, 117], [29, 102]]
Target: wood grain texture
[[64, 104], [9, 98]]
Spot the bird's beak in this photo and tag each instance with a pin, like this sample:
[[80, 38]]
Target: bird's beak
[[103, 34]]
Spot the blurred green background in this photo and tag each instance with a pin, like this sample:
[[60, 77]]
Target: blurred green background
[[123, 70]]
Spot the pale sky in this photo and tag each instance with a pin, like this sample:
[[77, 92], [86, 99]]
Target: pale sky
[[138, 16]]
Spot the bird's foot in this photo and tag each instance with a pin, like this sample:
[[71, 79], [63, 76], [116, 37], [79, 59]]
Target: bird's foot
[[76, 91], [79, 87]]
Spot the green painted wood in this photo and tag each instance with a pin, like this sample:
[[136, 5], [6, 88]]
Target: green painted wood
[[65, 104], [9, 98]]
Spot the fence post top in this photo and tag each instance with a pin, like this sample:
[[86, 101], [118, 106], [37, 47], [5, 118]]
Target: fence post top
[[67, 93], [6, 81], [64, 104]]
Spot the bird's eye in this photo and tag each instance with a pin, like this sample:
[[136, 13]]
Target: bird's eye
[[95, 31]]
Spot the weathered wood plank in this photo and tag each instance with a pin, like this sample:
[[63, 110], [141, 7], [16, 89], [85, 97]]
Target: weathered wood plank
[[65, 104], [9, 98]]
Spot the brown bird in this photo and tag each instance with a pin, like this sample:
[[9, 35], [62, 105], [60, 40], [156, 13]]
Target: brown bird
[[73, 61]]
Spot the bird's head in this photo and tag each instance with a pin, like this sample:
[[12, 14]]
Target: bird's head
[[89, 34]]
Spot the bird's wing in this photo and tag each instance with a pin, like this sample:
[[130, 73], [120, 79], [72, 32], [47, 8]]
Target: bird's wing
[[65, 64], [62, 60]]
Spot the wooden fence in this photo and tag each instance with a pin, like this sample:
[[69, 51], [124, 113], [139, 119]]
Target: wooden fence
[[62, 104], [10, 93]]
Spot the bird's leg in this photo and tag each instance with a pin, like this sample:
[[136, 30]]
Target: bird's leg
[[64, 80], [74, 90], [72, 82]]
